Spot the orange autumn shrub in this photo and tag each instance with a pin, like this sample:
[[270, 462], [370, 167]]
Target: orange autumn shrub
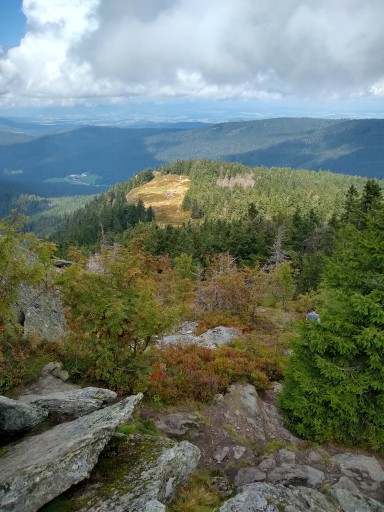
[[182, 373], [193, 372]]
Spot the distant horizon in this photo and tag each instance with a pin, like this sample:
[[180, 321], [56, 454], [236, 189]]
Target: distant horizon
[[205, 112]]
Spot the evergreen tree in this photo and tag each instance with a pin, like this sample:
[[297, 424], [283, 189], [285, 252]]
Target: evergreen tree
[[351, 206], [334, 384], [371, 197]]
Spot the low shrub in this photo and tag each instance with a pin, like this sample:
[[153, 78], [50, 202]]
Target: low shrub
[[182, 372]]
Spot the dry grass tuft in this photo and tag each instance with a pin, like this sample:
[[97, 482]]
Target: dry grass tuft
[[195, 498]]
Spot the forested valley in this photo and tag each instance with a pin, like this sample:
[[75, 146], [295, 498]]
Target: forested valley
[[260, 247]]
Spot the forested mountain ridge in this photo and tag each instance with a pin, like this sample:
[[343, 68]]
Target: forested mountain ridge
[[112, 155], [222, 190], [225, 191], [233, 209]]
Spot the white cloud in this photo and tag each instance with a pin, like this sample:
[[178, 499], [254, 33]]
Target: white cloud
[[79, 49]]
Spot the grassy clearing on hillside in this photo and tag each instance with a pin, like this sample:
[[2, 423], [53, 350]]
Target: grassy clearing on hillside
[[165, 193]]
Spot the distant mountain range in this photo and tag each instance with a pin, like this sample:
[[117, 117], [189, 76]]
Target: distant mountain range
[[42, 158]]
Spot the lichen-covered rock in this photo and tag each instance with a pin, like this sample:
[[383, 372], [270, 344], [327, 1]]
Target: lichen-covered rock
[[138, 473], [61, 374], [39, 468], [72, 404], [42, 311], [17, 417], [212, 338], [262, 417], [154, 506], [365, 470], [262, 497], [350, 502]]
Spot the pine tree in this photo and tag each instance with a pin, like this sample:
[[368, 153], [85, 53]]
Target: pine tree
[[334, 384], [371, 197], [351, 206]]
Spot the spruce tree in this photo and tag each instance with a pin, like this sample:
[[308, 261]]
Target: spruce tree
[[334, 383]]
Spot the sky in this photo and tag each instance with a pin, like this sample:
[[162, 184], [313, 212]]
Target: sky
[[259, 57]]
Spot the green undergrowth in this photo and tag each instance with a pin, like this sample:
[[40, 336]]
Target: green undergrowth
[[139, 426], [275, 445]]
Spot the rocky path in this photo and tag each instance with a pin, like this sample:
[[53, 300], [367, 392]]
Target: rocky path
[[242, 437]]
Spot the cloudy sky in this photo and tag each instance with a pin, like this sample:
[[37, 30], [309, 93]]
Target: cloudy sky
[[280, 52]]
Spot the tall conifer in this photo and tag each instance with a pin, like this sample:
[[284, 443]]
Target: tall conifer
[[334, 385]]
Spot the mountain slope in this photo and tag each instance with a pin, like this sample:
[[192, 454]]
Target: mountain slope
[[112, 155]]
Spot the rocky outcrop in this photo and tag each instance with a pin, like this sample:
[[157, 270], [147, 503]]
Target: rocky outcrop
[[41, 467], [150, 470], [41, 311], [365, 470], [55, 369], [262, 497], [17, 417], [52, 379], [243, 437], [72, 404], [240, 434], [297, 474], [240, 417], [212, 338]]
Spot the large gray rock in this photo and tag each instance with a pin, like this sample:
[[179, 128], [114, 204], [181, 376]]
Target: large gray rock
[[245, 395], [366, 471], [350, 502], [16, 417], [241, 417], [41, 312], [149, 472], [72, 404], [262, 497], [154, 506], [296, 474], [263, 417], [212, 338], [39, 468], [249, 475]]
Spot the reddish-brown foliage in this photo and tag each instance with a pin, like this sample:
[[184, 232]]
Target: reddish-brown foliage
[[182, 372]]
